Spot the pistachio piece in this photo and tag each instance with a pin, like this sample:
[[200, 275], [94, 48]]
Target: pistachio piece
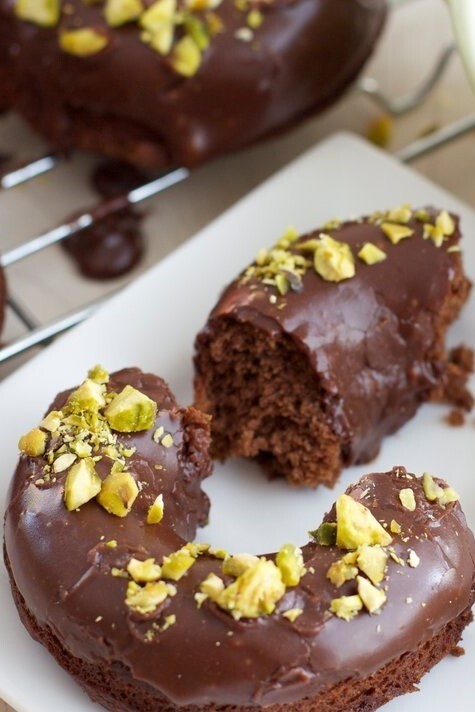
[[445, 223], [98, 374], [343, 570], [52, 421], [431, 489], [118, 493], [237, 564], [63, 462], [131, 411], [400, 215], [89, 396], [290, 562], [395, 232], [83, 42], [155, 511], [186, 57], [119, 12], [292, 614], [212, 586], [325, 535], [372, 597], [371, 254], [198, 31], [395, 527], [199, 5], [167, 440], [146, 599], [177, 564], [422, 215], [449, 495], [254, 593], [45, 13], [357, 526], [346, 607], [333, 260], [33, 443], [407, 498], [413, 559], [372, 561], [144, 571], [158, 21], [82, 484]]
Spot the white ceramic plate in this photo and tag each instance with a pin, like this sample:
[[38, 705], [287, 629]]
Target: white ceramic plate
[[152, 324]]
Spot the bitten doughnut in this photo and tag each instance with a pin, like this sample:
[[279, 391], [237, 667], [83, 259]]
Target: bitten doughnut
[[330, 341], [176, 82], [103, 504]]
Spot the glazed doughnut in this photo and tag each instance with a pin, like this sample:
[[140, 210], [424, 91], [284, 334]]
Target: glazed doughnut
[[176, 82], [330, 341], [103, 504]]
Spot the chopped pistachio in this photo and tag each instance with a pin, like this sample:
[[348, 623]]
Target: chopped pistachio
[[119, 12], [198, 31], [400, 215], [98, 374], [83, 42], [237, 564], [371, 254], [33, 443], [177, 564], [254, 19], [63, 462], [158, 433], [343, 570], [111, 544], [445, 223], [254, 593], [195, 549], [449, 495], [356, 525], [199, 5], [346, 607], [200, 598], [292, 614], [212, 586], [144, 571], [119, 573], [325, 535], [45, 13], [333, 260], [218, 553], [422, 215], [407, 498], [372, 561], [82, 483], [145, 599], [372, 597], [118, 493], [395, 527], [289, 559], [52, 421], [396, 232], [413, 559], [186, 57], [244, 34], [89, 396], [431, 489], [155, 511], [454, 248], [131, 411], [167, 440]]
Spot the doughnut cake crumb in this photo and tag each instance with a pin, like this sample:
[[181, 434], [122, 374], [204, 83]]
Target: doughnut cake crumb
[[143, 618], [329, 341]]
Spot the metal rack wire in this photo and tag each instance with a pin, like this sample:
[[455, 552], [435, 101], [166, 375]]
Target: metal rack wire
[[37, 334]]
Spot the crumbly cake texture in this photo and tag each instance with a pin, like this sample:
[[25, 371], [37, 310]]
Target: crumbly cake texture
[[330, 341], [215, 75], [104, 502]]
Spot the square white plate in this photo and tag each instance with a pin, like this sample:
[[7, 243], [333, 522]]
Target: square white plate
[[153, 323]]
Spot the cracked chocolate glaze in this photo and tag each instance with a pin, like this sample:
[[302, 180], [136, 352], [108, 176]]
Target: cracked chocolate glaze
[[62, 568], [305, 53], [376, 341]]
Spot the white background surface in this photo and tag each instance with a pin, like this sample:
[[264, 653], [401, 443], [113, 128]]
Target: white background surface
[[153, 323]]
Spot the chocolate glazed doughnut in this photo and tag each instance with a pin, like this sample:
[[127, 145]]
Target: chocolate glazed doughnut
[[330, 341], [246, 69], [144, 620]]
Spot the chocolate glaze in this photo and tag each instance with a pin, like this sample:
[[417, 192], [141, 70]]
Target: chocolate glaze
[[61, 567], [114, 244], [305, 53], [375, 341]]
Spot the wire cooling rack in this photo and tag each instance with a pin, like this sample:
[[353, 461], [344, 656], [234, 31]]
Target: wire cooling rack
[[34, 334]]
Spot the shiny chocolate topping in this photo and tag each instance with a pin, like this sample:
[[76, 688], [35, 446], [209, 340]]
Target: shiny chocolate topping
[[375, 341], [62, 563], [256, 77], [114, 244]]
